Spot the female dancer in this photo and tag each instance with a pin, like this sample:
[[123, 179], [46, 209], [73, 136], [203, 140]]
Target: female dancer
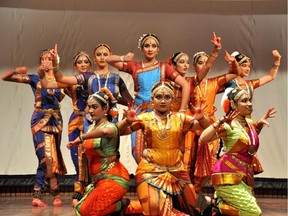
[[245, 66], [180, 62], [145, 74], [233, 174], [79, 96], [206, 90], [46, 127], [161, 175], [110, 179]]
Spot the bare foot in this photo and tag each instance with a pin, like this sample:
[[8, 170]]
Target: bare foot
[[74, 202], [37, 202], [57, 202]]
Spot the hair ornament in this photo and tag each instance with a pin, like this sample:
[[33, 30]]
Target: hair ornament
[[198, 55], [162, 85], [82, 53], [106, 46], [145, 37]]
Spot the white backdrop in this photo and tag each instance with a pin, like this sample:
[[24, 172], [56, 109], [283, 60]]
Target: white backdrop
[[27, 27]]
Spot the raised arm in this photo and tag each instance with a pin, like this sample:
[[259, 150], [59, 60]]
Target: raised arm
[[272, 73], [118, 61], [217, 42], [70, 80]]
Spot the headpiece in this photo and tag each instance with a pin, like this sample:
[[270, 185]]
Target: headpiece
[[240, 58], [145, 37], [231, 97], [176, 57], [82, 53], [103, 45], [162, 85], [108, 99], [197, 56]]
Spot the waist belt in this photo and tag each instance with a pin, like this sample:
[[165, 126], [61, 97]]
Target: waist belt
[[49, 111]]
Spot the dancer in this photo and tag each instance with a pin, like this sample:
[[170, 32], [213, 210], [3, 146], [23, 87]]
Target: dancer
[[161, 175], [110, 179], [79, 96], [245, 66], [46, 127], [207, 89], [145, 74], [180, 62], [233, 174]]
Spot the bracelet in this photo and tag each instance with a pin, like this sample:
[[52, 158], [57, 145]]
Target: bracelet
[[182, 110], [213, 55], [129, 123], [219, 48], [216, 125], [81, 138], [56, 69], [275, 66], [122, 58]]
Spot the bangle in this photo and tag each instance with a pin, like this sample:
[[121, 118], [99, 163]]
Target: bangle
[[81, 138], [182, 110], [275, 66], [122, 58], [129, 123], [219, 48], [213, 55], [216, 125], [56, 69]]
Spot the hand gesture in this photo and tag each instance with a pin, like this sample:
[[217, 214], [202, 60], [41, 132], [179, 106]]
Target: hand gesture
[[276, 54], [21, 70], [228, 58], [199, 111], [129, 57], [228, 119], [270, 114], [130, 114], [216, 41], [55, 56], [76, 142]]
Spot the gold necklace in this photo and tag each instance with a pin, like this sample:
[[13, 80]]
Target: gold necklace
[[163, 134], [200, 91]]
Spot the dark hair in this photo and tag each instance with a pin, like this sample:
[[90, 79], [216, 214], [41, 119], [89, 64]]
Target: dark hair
[[104, 45], [105, 98]]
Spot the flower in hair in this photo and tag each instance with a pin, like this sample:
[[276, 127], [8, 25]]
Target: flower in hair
[[226, 105]]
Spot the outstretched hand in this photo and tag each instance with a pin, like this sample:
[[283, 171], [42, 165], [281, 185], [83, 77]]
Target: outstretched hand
[[216, 41], [228, 119], [198, 111], [131, 113], [270, 114]]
